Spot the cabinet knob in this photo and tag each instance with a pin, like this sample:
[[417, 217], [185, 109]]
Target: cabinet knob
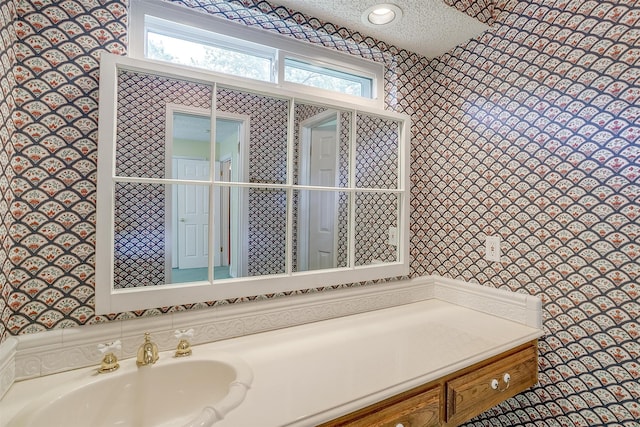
[[495, 384], [399, 425]]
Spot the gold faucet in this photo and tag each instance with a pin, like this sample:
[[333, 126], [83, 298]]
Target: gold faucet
[[148, 352]]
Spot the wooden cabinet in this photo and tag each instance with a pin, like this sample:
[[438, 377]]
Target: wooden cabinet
[[473, 393], [454, 399], [417, 408]]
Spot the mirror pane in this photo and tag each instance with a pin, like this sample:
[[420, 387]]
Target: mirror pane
[[188, 232], [162, 235], [267, 119], [320, 230], [377, 152], [141, 119], [321, 146], [140, 246], [190, 144], [266, 231], [376, 222]]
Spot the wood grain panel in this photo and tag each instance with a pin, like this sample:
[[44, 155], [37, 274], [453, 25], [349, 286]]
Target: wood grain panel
[[471, 394], [421, 410]]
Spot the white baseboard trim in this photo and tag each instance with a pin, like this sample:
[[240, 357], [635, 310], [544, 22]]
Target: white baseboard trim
[[517, 307], [30, 356]]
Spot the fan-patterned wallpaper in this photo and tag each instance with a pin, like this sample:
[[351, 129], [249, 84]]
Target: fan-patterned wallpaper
[[530, 131], [7, 83], [534, 135]]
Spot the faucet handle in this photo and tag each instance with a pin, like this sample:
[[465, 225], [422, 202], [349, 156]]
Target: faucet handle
[[184, 347], [109, 361]]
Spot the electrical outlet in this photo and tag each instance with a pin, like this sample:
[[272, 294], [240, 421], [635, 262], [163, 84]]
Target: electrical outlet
[[393, 236], [492, 247]]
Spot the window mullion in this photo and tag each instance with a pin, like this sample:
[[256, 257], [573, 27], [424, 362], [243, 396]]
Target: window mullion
[[290, 181], [213, 227], [278, 67], [351, 259]]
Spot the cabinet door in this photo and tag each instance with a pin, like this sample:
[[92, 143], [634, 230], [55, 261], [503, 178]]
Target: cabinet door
[[471, 394], [421, 410]]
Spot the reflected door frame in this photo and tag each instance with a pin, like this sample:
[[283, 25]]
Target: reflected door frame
[[239, 197], [239, 200], [305, 210]]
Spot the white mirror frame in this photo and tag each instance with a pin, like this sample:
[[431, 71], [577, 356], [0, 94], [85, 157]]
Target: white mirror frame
[[110, 300]]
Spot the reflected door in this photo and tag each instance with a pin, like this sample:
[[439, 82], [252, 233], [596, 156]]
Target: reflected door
[[193, 215], [322, 205], [322, 215]]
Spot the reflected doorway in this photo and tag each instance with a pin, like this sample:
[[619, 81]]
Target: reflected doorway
[[317, 230], [188, 217]]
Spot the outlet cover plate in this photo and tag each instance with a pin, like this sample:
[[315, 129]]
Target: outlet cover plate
[[393, 236], [492, 246]]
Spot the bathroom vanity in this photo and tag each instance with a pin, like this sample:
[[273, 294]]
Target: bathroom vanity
[[429, 363], [433, 352], [454, 398]]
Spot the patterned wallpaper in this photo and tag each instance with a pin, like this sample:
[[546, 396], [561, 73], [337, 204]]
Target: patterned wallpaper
[[7, 84], [377, 142], [57, 50], [530, 131], [534, 135]]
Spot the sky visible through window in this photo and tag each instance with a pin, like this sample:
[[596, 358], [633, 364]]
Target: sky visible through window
[[228, 61], [213, 58]]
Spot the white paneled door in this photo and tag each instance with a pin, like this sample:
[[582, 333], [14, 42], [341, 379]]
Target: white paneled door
[[323, 206], [193, 214]]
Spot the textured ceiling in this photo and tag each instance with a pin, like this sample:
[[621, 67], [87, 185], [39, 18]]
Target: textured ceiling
[[428, 27]]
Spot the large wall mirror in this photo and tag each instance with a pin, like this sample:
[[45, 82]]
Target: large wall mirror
[[212, 188]]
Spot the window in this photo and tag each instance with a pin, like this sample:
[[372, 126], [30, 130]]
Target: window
[[306, 73], [186, 45], [177, 35]]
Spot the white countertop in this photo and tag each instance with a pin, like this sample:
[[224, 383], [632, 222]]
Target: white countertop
[[307, 374]]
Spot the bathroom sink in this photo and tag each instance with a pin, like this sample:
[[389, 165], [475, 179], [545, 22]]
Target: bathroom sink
[[193, 391]]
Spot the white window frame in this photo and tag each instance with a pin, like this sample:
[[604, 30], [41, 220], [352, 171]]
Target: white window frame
[[111, 300], [261, 42]]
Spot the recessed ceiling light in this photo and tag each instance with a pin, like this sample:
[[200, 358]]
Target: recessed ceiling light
[[381, 14]]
